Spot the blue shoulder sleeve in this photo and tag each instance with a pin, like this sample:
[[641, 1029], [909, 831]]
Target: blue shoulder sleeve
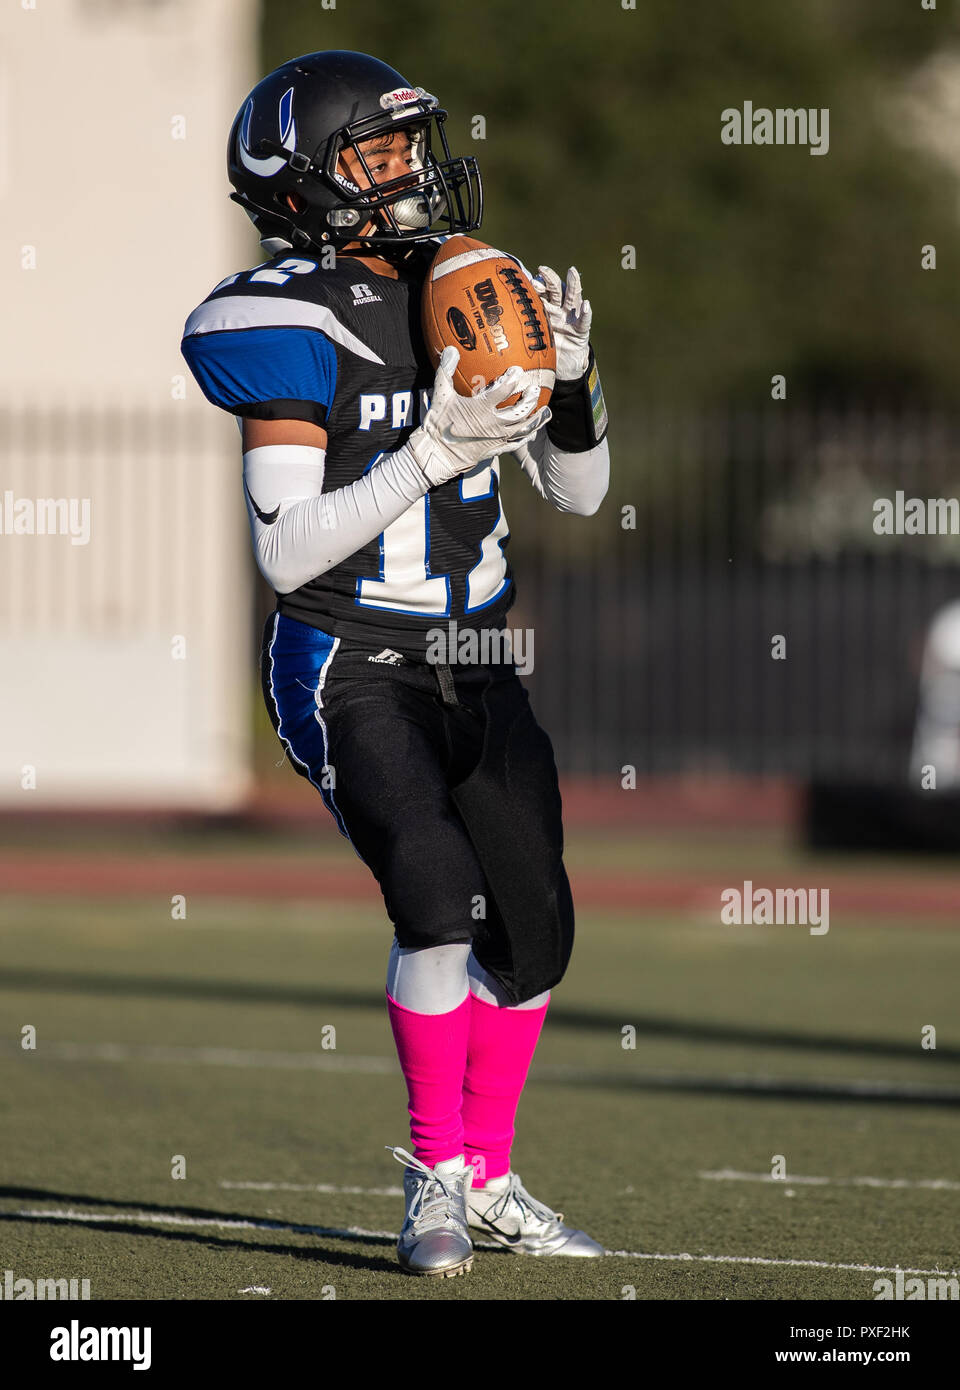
[[267, 373]]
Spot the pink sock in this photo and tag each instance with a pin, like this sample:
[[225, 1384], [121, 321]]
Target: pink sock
[[433, 1053], [500, 1048]]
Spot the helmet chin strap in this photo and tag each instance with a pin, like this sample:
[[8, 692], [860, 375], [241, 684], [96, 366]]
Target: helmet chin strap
[[393, 255], [401, 251]]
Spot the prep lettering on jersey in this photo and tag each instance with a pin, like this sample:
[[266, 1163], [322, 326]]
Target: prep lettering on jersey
[[374, 410]]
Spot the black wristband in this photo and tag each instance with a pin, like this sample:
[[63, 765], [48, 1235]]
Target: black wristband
[[579, 419]]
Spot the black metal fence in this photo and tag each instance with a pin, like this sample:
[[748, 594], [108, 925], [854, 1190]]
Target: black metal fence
[[736, 605]]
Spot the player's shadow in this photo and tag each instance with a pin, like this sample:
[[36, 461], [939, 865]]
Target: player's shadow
[[205, 1237], [178, 987], [688, 1030], [561, 1015]]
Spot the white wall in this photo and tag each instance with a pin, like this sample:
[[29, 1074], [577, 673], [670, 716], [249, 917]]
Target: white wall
[[114, 223]]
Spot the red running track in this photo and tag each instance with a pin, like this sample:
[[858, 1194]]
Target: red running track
[[265, 878]]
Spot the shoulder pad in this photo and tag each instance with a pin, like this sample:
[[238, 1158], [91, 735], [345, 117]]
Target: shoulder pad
[[252, 341]]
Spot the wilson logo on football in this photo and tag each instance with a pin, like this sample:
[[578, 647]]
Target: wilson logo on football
[[493, 312]]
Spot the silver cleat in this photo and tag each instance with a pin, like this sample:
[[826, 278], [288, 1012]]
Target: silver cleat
[[435, 1239], [505, 1211]]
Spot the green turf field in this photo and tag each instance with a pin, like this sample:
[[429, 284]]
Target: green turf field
[[204, 1038]]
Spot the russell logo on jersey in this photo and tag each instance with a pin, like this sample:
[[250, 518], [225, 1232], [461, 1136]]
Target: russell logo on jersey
[[363, 294]]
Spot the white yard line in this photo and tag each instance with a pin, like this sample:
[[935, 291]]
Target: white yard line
[[786, 1264], [209, 1057], [720, 1175], [220, 1223], [227, 1224], [792, 1180]]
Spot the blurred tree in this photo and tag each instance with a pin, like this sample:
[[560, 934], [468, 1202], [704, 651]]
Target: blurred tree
[[603, 131]]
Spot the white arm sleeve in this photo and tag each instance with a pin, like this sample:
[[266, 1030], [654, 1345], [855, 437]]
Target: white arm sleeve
[[299, 531], [570, 482]]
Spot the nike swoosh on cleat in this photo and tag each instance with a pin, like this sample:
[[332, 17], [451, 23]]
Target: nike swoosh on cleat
[[512, 1238], [268, 518]]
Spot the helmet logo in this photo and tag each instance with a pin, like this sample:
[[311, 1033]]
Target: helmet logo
[[266, 168], [395, 101], [400, 96], [345, 183]]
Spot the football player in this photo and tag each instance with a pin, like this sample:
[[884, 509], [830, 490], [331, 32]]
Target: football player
[[373, 494]]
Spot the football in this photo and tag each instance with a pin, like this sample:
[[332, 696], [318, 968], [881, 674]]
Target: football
[[484, 303]]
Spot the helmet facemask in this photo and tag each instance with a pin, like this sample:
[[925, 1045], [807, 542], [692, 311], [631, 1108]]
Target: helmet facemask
[[337, 200], [446, 189], [420, 207]]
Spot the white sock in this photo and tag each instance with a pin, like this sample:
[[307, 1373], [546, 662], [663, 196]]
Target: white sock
[[428, 979], [490, 991]]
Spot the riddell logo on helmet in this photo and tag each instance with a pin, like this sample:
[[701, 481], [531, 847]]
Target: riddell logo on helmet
[[345, 182], [397, 97]]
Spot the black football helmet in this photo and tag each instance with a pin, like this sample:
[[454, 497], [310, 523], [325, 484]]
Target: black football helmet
[[287, 138]]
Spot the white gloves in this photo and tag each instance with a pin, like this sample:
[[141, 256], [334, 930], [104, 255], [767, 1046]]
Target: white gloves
[[570, 315], [458, 432]]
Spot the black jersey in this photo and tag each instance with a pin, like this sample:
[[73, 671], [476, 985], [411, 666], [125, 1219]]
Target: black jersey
[[342, 347]]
